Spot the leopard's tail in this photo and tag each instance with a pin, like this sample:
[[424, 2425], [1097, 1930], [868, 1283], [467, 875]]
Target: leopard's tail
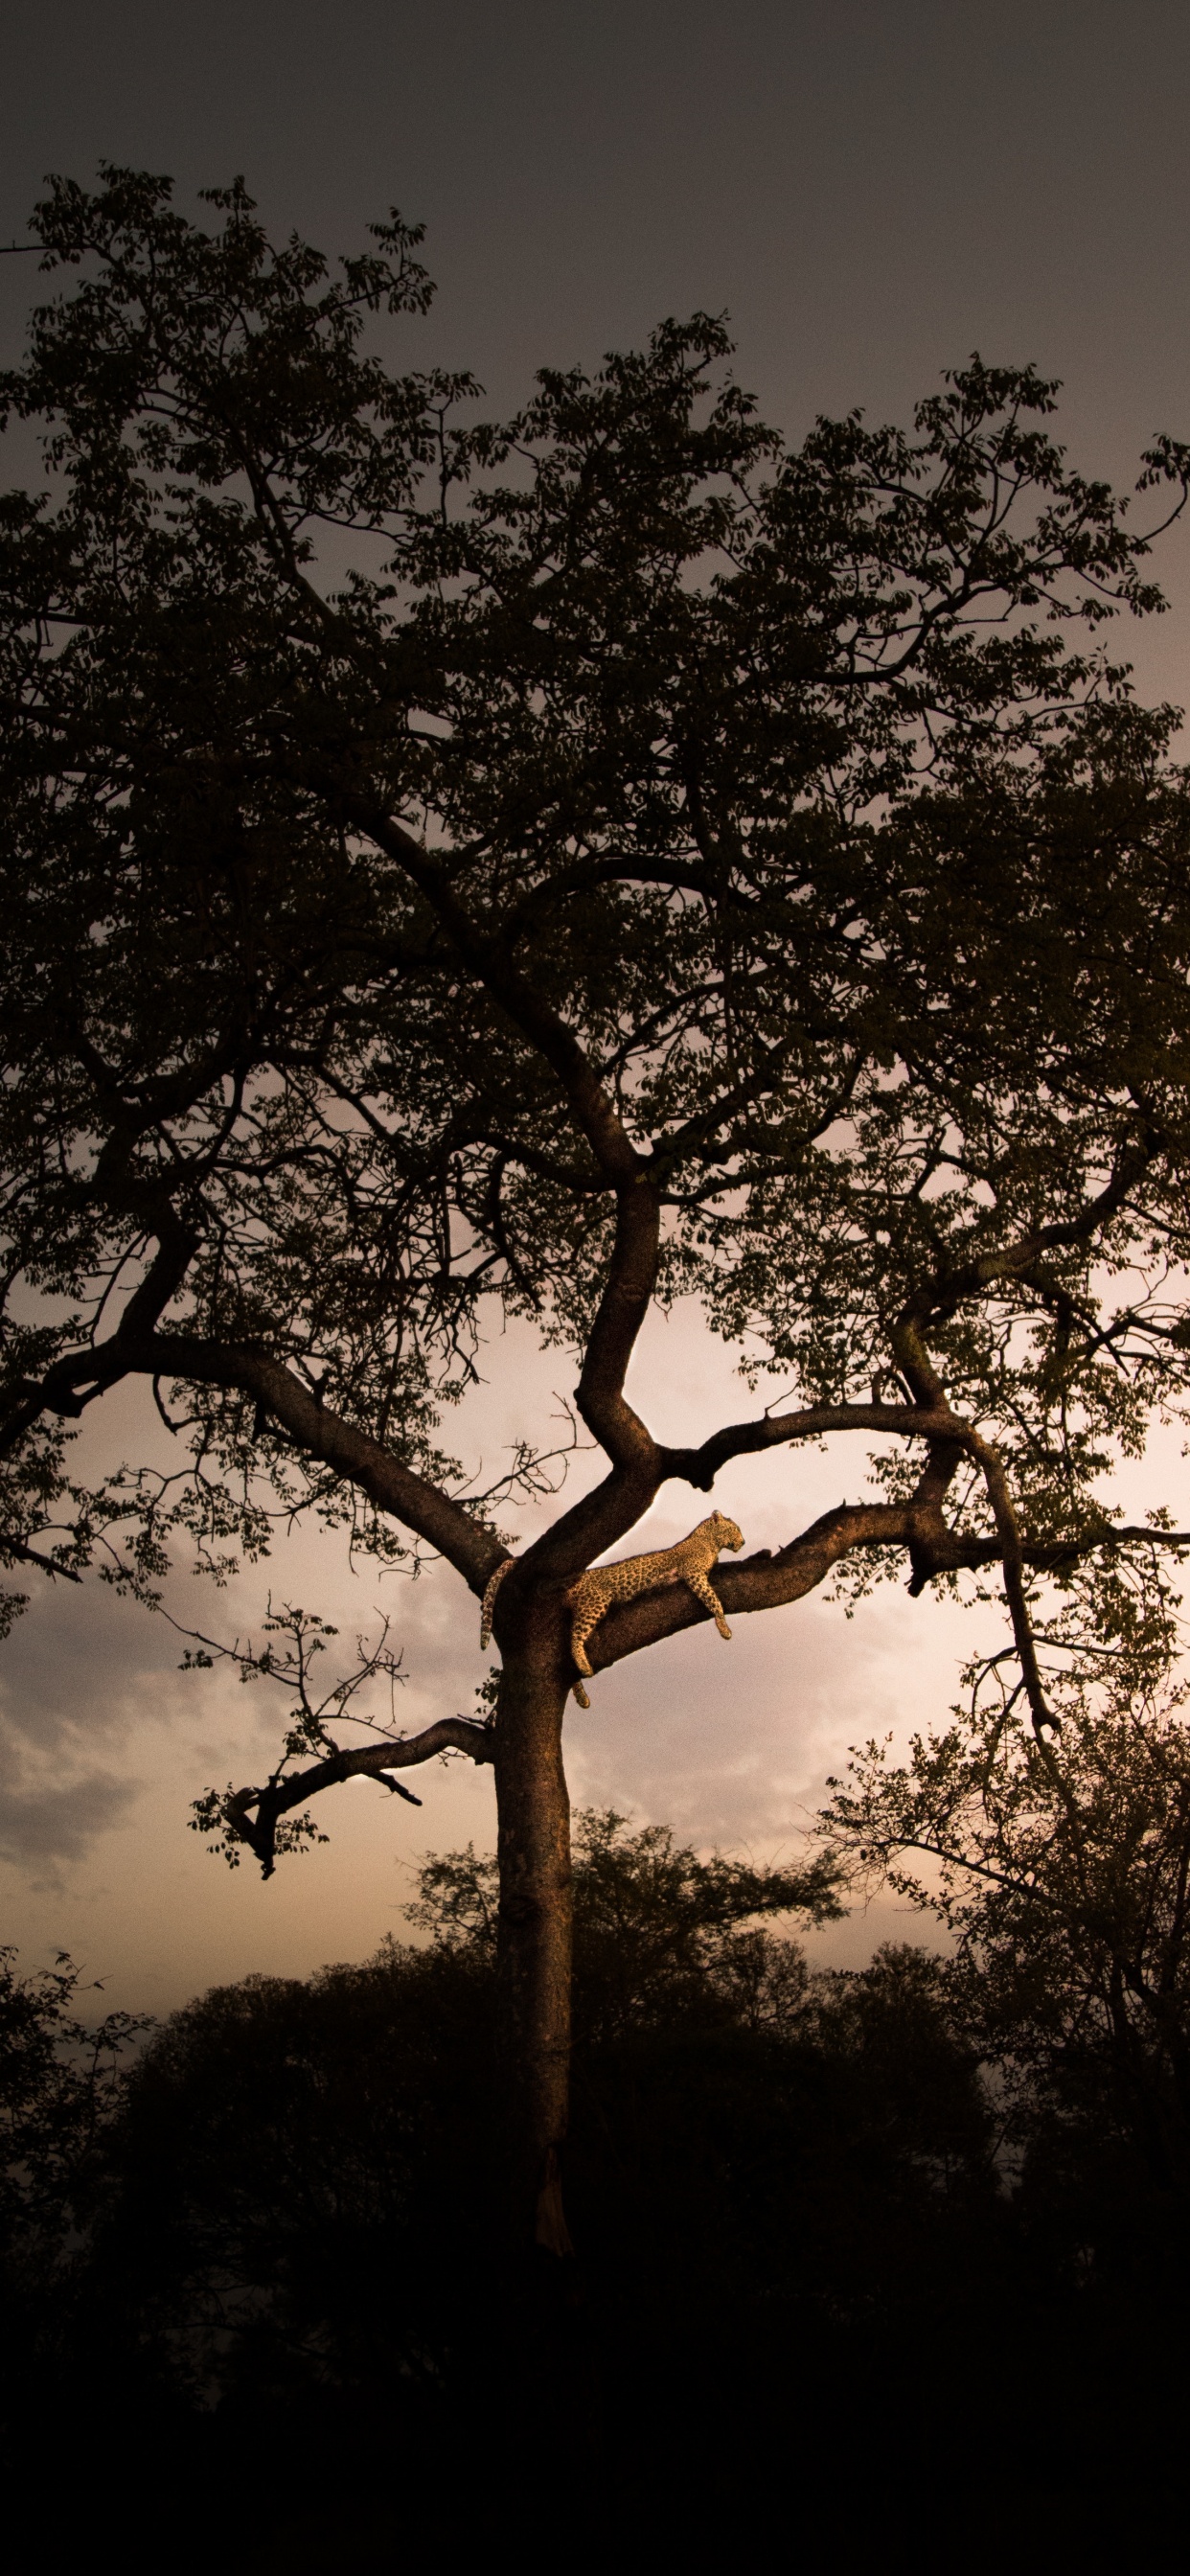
[[489, 1602]]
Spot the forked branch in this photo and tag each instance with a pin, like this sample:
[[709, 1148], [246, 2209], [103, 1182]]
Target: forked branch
[[252, 1816]]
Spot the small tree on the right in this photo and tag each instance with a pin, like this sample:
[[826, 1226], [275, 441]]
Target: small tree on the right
[[1059, 1860]]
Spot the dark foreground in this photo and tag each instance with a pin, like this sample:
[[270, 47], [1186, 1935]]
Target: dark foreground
[[261, 2313]]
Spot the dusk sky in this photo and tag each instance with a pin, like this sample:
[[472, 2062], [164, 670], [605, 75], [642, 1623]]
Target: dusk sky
[[870, 192]]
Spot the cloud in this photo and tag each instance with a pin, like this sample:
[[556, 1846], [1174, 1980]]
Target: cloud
[[46, 1821], [94, 1713], [83, 1661], [81, 1676]]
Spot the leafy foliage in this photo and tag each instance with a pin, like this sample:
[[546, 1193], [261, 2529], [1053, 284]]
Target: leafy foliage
[[1062, 1869], [659, 1931], [361, 765], [61, 2090], [313, 2169]]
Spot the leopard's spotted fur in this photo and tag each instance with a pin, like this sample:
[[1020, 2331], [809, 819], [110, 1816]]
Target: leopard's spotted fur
[[489, 1601], [689, 1562], [596, 1590]]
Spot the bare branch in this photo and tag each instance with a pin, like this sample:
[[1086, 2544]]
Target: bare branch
[[631, 1279], [699, 1467], [366, 1762]]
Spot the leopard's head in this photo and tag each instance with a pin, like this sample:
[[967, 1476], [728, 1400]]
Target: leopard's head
[[726, 1532]]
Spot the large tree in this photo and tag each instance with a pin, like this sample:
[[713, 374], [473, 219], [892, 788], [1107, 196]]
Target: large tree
[[455, 872]]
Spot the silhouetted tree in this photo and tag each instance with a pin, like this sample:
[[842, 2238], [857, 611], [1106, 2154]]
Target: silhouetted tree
[[1061, 1865], [461, 871], [61, 2090], [813, 2267], [658, 1929], [303, 2191]]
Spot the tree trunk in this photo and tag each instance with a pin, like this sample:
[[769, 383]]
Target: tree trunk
[[535, 1929]]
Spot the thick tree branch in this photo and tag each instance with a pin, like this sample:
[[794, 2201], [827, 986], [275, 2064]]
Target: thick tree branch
[[768, 1581], [943, 1459], [367, 1762], [487, 958], [22, 1554], [1012, 1559], [763, 1582], [699, 1467], [393, 1487], [72, 1382], [623, 1306], [600, 1518]]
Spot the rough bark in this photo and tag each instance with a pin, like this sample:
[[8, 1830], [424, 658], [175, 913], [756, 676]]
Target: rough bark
[[534, 1939]]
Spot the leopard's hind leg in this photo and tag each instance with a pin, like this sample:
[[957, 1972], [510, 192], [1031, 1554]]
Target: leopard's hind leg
[[581, 1627], [710, 1599]]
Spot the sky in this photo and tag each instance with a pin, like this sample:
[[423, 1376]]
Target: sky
[[870, 189]]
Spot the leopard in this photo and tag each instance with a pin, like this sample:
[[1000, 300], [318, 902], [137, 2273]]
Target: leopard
[[595, 1591], [689, 1562]]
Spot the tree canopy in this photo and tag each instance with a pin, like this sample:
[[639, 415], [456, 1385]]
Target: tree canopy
[[457, 871]]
